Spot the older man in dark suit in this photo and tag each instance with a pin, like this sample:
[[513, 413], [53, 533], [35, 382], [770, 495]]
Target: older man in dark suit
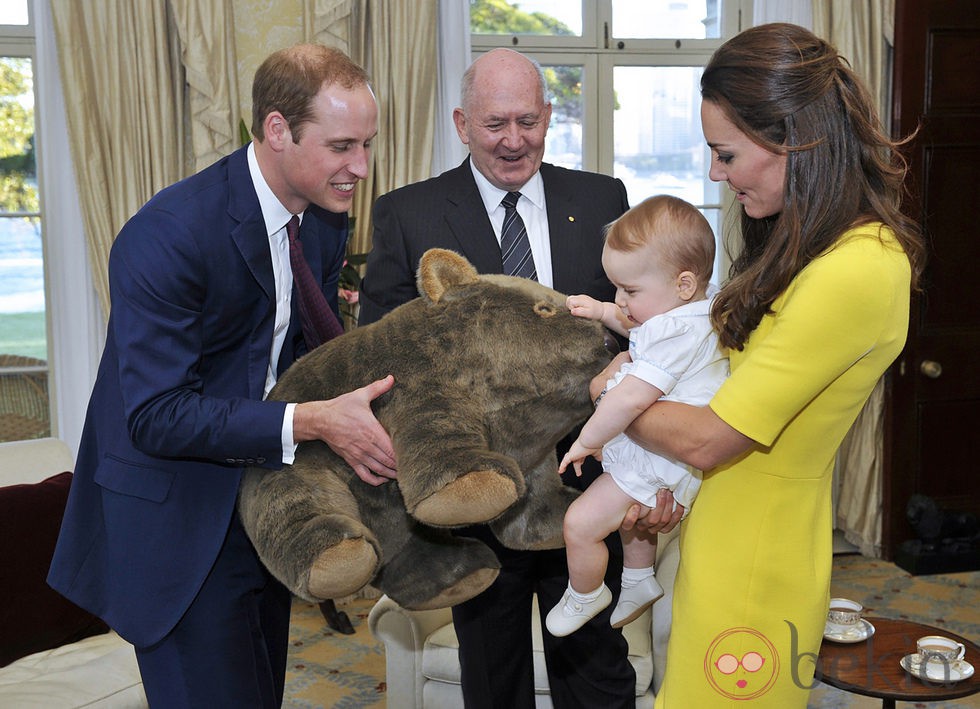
[[552, 231]]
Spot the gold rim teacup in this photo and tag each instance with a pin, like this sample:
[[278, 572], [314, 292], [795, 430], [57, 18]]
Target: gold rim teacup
[[938, 649]]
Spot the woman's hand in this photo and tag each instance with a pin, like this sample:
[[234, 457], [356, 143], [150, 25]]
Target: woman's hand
[[660, 519]]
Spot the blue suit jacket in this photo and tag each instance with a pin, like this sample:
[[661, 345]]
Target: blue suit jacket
[[177, 409]]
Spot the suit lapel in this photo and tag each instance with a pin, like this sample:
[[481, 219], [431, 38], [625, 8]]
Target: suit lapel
[[252, 242], [469, 223], [564, 226], [249, 236]]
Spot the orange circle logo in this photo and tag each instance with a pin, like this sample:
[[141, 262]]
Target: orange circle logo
[[741, 664]]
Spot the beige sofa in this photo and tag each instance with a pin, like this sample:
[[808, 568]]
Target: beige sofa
[[422, 663], [96, 671]]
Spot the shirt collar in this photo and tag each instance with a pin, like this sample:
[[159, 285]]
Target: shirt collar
[[533, 190], [274, 214]]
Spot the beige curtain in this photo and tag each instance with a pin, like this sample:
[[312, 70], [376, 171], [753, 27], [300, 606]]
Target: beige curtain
[[207, 51], [396, 41], [328, 22], [121, 78], [862, 31]]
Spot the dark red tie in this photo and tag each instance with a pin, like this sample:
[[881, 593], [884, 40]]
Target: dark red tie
[[317, 319]]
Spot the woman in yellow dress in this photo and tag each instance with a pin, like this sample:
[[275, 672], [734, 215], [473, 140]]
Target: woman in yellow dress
[[815, 311]]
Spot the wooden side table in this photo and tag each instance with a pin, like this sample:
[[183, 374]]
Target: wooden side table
[[872, 668]]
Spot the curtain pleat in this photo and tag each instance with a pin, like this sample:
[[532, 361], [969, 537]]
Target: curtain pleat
[[328, 22], [118, 72], [396, 41], [207, 49], [862, 31]]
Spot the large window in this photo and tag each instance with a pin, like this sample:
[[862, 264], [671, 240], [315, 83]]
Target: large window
[[623, 77], [24, 401]]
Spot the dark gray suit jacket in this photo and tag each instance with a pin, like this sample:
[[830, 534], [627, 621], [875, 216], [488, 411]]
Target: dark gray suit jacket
[[447, 212]]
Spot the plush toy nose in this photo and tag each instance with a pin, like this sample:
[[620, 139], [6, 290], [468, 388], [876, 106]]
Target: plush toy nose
[[611, 344]]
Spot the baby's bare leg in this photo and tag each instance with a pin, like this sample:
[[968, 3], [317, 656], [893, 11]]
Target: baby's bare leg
[[639, 546], [595, 514]]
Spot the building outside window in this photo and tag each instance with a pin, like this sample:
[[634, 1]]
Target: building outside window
[[624, 82], [24, 398]]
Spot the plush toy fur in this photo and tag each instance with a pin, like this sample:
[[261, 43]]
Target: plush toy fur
[[490, 373]]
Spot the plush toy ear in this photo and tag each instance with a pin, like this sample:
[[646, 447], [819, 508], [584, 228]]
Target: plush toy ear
[[441, 270]]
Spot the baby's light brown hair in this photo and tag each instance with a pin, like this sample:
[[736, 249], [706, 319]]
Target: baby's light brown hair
[[679, 234]]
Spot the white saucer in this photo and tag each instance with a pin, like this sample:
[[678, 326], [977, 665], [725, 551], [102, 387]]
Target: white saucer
[[858, 633], [936, 671]]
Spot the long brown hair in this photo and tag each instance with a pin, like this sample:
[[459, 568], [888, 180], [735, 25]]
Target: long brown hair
[[790, 92]]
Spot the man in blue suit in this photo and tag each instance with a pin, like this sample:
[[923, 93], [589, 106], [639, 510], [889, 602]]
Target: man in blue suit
[[503, 120], [204, 318]]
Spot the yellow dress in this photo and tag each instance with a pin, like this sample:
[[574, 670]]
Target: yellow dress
[[753, 586]]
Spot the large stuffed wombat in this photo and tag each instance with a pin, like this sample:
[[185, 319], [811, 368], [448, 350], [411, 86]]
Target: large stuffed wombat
[[490, 373]]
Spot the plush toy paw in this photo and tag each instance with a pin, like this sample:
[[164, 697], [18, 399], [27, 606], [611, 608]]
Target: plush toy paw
[[533, 525], [343, 569], [457, 569], [463, 590], [469, 499]]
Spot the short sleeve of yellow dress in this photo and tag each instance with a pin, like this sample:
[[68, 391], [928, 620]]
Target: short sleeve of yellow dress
[[751, 595]]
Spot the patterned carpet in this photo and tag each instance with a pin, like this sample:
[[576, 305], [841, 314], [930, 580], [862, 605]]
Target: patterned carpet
[[327, 669]]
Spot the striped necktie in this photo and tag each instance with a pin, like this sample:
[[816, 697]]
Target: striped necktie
[[515, 249]]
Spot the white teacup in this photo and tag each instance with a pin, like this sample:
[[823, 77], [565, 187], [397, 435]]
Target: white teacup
[[844, 614], [939, 649]]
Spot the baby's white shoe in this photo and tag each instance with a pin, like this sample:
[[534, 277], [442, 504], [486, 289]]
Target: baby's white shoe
[[569, 615], [634, 600]]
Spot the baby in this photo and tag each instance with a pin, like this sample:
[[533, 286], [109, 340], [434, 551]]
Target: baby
[[659, 255]]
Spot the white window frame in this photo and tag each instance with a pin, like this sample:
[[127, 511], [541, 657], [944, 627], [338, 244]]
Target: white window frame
[[19, 41], [599, 52]]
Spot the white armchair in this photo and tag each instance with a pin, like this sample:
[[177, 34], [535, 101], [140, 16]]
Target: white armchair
[[421, 649]]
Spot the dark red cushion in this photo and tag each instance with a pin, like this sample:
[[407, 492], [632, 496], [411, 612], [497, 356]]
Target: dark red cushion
[[33, 617]]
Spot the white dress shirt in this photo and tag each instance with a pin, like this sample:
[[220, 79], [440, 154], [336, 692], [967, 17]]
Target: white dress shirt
[[275, 217], [533, 210]]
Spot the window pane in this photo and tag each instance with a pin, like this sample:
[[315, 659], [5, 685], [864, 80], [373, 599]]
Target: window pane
[[23, 339], [22, 287], [13, 12], [563, 145], [18, 175], [683, 19], [21, 263], [658, 144], [531, 17]]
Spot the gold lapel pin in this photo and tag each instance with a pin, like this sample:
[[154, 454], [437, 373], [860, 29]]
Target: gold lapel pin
[[571, 218]]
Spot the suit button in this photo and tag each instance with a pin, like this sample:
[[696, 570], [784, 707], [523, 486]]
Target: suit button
[[260, 461], [230, 461]]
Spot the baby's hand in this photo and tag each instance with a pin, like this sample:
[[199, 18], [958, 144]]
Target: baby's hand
[[576, 456], [584, 306]]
